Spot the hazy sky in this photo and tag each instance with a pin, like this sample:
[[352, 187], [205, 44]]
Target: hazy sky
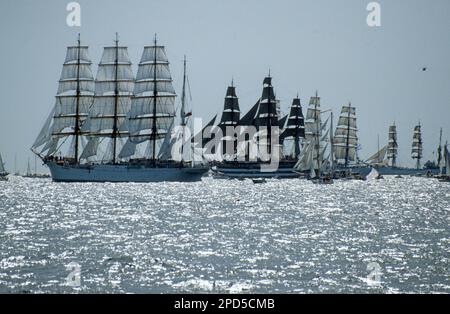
[[308, 45]]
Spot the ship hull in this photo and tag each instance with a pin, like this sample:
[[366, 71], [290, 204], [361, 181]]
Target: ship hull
[[363, 172], [253, 170], [405, 171], [123, 173]]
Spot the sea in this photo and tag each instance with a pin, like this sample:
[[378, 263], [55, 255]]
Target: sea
[[225, 236]]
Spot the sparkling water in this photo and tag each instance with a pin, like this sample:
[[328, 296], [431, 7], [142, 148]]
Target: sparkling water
[[225, 236]]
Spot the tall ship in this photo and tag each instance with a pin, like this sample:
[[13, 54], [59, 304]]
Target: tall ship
[[3, 173], [385, 161], [241, 156], [116, 128], [416, 151], [345, 143], [316, 158]]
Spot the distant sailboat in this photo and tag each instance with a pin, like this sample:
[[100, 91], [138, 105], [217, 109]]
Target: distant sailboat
[[3, 172], [445, 176], [392, 145], [417, 149], [390, 166]]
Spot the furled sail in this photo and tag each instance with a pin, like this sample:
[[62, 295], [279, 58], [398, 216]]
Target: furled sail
[[152, 107], [113, 90], [295, 127], [416, 152], [392, 145], [345, 138]]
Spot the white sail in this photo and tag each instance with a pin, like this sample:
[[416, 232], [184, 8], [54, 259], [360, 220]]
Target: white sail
[[392, 145], [152, 107], [73, 100], [345, 140], [107, 119], [378, 157], [313, 133]]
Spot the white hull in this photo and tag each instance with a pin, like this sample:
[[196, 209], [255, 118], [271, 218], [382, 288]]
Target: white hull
[[123, 173]]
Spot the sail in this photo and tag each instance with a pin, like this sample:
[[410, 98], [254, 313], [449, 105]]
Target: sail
[[267, 116], [113, 90], [447, 161], [295, 126], [249, 117], [417, 149], [313, 120], [345, 140], [378, 157], [165, 152], [392, 145], [45, 134], [73, 101], [313, 132], [306, 158], [28, 168], [152, 106], [267, 111], [2, 165], [230, 117]]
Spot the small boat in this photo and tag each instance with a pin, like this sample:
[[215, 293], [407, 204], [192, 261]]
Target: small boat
[[445, 175], [3, 172], [323, 180], [398, 177], [259, 181]]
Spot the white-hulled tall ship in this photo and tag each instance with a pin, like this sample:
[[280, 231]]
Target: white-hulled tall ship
[[389, 166], [116, 128]]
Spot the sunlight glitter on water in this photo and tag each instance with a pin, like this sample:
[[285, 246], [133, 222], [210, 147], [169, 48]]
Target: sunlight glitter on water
[[225, 236]]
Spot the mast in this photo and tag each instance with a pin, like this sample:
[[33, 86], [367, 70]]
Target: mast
[[331, 144], [317, 136], [77, 110], [183, 109], [232, 115], [116, 100], [152, 113], [268, 122], [393, 146], [348, 136], [155, 94], [297, 136], [439, 158]]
